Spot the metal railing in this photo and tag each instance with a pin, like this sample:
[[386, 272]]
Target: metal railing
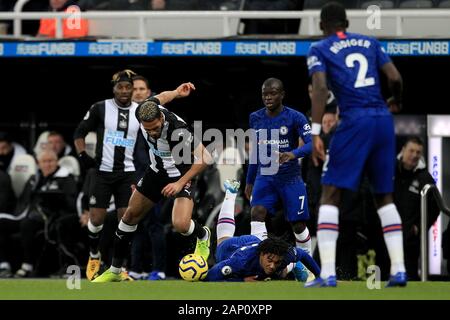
[[424, 224], [310, 16]]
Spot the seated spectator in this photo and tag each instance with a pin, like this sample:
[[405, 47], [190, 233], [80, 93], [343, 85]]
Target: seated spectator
[[8, 151], [73, 27], [57, 143], [7, 196], [46, 204]]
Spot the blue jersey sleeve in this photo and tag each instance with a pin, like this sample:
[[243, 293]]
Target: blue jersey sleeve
[[308, 262], [304, 132], [315, 61], [382, 57], [224, 271]]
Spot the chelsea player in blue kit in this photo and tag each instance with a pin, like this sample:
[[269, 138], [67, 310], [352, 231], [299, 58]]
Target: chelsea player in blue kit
[[247, 258], [364, 139], [278, 129]]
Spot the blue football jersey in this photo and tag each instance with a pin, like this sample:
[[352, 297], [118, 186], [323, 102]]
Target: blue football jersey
[[244, 262], [351, 62], [280, 133]]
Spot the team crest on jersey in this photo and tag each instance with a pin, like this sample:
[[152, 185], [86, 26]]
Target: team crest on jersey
[[123, 124], [283, 130], [92, 201], [226, 270]]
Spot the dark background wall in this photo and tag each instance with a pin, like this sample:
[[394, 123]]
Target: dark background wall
[[55, 93]]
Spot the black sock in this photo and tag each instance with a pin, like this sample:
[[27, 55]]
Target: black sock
[[94, 239], [199, 231], [122, 242]]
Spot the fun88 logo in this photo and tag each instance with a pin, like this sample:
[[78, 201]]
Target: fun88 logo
[[116, 139]]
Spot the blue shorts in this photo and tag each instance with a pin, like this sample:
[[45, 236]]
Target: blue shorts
[[227, 247], [365, 144], [268, 191]]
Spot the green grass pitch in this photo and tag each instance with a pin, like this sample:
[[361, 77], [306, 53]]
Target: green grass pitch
[[44, 289]]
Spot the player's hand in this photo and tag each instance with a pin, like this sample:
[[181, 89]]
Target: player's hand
[[394, 105], [285, 157], [172, 189], [318, 152], [248, 190], [251, 279], [185, 89]]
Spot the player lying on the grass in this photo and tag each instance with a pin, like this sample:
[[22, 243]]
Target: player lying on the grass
[[247, 258]]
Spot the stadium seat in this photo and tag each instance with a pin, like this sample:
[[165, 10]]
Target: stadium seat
[[71, 164], [382, 4], [411, 4], [41, 142], [23, 167], [91, 142]]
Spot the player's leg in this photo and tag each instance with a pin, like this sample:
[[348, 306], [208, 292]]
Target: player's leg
[[381, 171], [100, 192], [138, 206], [295, 202], [264, 198], [225, 222]]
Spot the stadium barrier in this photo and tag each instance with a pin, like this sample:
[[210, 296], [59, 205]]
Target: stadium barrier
[[423, 224], [430, 23]]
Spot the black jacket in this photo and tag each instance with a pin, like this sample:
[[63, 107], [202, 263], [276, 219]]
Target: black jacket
[[56, 195], [408, 184]]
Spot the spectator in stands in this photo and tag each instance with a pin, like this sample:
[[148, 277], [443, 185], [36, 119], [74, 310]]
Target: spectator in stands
[[48, 198], [410, 178], [9, 150], [73, 27], [57, 143], [7, 196]]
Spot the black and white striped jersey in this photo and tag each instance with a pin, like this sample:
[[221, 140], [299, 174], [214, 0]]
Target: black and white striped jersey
[[117, 132], [166, 153]]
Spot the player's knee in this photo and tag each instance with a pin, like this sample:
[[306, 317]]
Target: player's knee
[[96, 219], [181, 225], [258, 213], [131, 217], [299, 227]]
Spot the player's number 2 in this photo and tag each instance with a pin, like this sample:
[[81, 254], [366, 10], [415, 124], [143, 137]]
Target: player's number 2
[[361, 80]]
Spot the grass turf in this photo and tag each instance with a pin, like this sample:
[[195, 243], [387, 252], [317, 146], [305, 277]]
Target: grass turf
[[44, 289]]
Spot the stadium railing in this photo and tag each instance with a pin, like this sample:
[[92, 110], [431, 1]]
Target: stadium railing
[[212, 24], [423, 224]]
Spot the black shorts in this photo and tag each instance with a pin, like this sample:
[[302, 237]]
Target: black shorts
[[106, 184], [152, 183]]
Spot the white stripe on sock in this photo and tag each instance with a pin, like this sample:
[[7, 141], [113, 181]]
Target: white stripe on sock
[[190, 230], [127, 227], [326, 240], [94, 229], [258, 229]]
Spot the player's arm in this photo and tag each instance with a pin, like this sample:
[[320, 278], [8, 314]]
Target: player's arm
[[308, 262], [222, 271], [89, 123], [319, 101], [202, 159], [395, 83], [183, 90], [305, 148]]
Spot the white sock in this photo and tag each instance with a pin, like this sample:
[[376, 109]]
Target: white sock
[[190, 230], [327, 234], [259, 229], [115, 270], [225, 223], [393, 236], [127, 227], [303, 241], [94, 229]]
